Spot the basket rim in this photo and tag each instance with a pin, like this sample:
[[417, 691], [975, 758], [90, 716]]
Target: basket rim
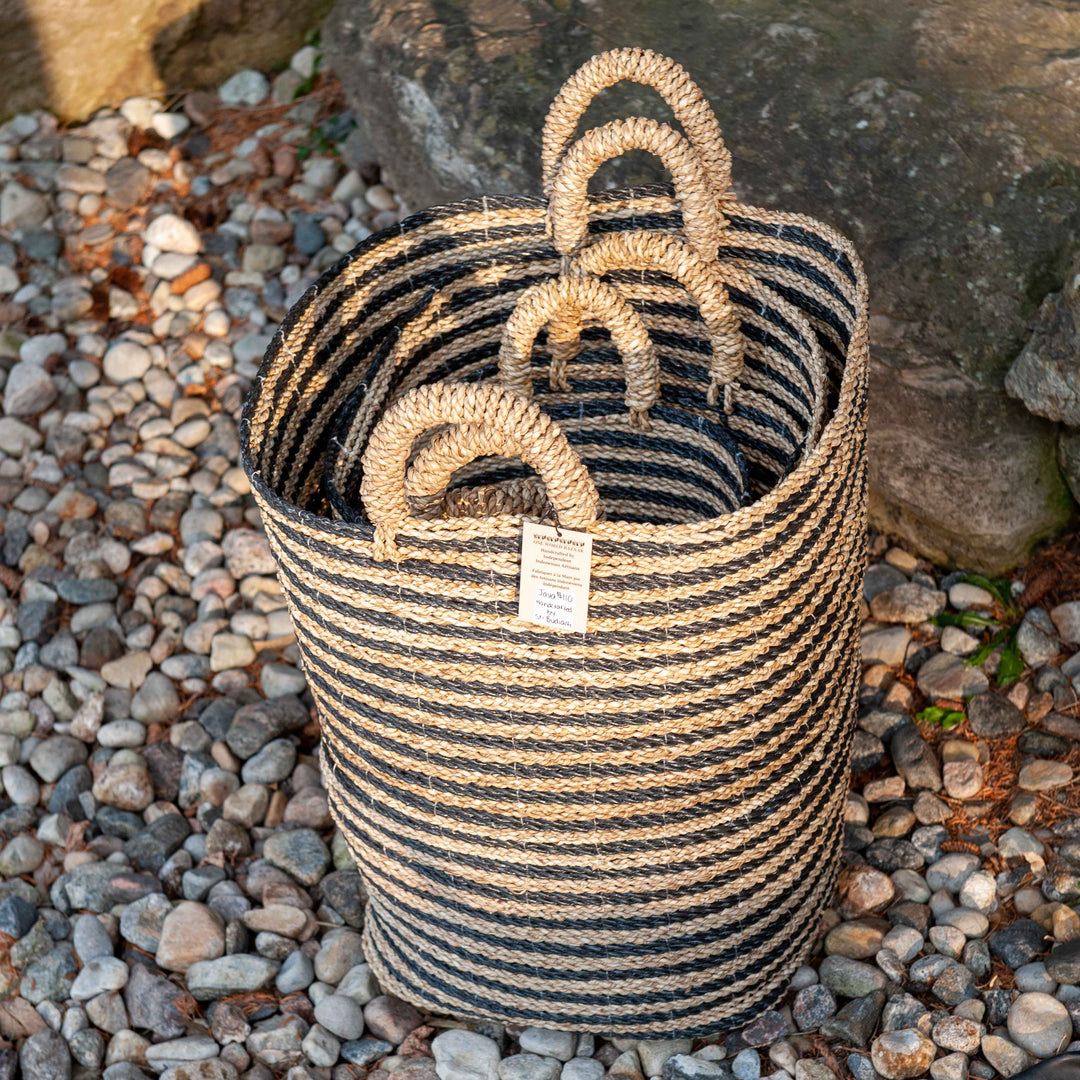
[[728, 526]]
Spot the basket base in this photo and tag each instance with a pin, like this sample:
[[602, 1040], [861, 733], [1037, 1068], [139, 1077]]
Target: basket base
[[416, 987]]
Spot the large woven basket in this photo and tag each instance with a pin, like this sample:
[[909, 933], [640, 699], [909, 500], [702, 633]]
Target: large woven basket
[[634, 830]]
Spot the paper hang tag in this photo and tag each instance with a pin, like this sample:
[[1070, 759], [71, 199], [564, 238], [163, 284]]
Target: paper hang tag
[[555, 568]]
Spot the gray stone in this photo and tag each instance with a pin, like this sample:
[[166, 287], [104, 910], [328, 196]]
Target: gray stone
[[679, 1067], [299, 852], [45, 1055], [947, 676], [1021, 942], [246, 87], [813, 1005], [91, 939], [1045, 775], [29, 389], [908, 603], [850, 978], [528, 1067], [98, 977], [154, 1003], [465, 1055], [150, 847], [1067, 620], [127, 182], [1033, 979], [1005, 1055], [1036, 646], [20, 207], [344, 892], [50, 978], [297, 973], [584, 1068], [17, 916], [653, 1053], [1063, 963], [272, 764], [548, 1043], [915, 761], [954, 984], [156, 701], [364, 1052], [341, 1016], [360, 984], [108, 1012], [87, 1047], [746, 1065], [190, 1048], [126, 360], [320, 1047], [208, 1069], [1040, 1024], [254, 726], [54, 756], [168, 232], [242, 973], [993, 715], [885, 646], [308, 235], [22, 855], [856, 1022], [879, 578], [951, 871]]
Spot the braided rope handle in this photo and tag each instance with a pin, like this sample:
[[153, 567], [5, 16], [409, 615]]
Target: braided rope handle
[[495, 421], [668, 78], [644, 250], [568, 209], [552, 300], [524, 496]]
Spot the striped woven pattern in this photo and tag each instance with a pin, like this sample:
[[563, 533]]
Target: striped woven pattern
[[632, 831]]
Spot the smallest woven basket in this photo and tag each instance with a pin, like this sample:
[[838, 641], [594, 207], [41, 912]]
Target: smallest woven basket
[[667, 456]]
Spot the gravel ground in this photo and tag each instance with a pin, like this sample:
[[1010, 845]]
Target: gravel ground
[[175, 899]]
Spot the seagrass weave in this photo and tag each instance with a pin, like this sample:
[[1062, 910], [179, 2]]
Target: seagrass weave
[[634, 830]]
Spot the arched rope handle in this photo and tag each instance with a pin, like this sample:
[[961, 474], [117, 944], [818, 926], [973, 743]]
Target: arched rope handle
[[551, 300], [430, 474], [568, 207], [524, 496], [644, 250], [643, 66], [498, 421]]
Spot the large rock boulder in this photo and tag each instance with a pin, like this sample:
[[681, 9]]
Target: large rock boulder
[[72, 56], [949, 155]]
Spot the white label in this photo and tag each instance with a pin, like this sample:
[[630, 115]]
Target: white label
[[555, 567]]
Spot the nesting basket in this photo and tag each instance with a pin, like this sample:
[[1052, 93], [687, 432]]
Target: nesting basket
[[634, 830]]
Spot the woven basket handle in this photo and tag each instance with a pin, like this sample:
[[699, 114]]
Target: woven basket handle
[[643, 250], [643, 66], [524, 496], [494, 421], [549, 302], [568, 208]]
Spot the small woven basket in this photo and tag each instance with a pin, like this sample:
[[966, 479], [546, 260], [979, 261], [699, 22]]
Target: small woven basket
[[631, 831]]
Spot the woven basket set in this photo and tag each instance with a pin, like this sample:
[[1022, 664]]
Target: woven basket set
[[631, 831]]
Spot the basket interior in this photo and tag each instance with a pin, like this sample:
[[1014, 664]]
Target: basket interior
[[338, 363]]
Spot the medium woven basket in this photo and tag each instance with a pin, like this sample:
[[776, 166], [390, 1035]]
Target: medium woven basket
[[631, 831]]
